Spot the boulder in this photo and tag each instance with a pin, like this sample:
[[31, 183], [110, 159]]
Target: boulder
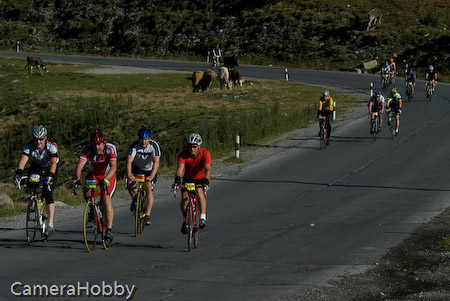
[[370, 64], [5, 200]]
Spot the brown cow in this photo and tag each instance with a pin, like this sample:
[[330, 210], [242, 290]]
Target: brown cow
[[375, 15], [208, 79], [224, 77], [236, 77], [197, 79], [37, 62]]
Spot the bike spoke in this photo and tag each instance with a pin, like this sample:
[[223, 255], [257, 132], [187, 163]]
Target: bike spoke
[[90, 230], [32, 220]]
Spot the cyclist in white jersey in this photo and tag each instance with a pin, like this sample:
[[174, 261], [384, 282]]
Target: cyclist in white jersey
[[44, 161], [143, 158]]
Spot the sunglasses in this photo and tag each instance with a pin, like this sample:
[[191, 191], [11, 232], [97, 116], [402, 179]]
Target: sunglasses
[[193, 146], [40, 139]]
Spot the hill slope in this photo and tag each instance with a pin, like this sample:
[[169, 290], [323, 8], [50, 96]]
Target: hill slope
[[314, 34]]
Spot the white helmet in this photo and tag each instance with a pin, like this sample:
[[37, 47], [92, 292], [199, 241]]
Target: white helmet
[[431, 67], [326, 93], [39, 131], [194, 139]]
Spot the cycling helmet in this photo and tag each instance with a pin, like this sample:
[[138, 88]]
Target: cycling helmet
[[377, 93], [392, 59], [194, 139], [326, 93], [144, 133], [431, 67], [97, 137], [394, 90], [39, 131]]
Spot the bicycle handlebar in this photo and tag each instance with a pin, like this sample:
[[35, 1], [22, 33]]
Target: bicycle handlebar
[[101, 182], [22, 178], [175, 189]]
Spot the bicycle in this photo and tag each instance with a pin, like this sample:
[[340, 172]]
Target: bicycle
[[429, 89], [375, 126], [393, 123], [192, 214], [36, 219], [93, 222], [409, 91], [388, 79], [323, 131], [139, 221]]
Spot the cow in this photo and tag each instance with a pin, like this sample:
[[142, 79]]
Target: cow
[[236, 77], [197, 80], [37, 62], [375, 15], [230, 62], [208, 79], [224, 77]]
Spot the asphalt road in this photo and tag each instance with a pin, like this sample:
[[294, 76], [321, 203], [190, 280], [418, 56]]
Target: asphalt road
[[288, 224]]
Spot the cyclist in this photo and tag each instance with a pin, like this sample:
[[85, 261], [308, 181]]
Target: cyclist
[[326, 109], [410, 78], [102, 157], [393, 66], [44, 161], [394, 104], [431, 76], [196, 163], [143, 158], [376, 104], [386, 73]]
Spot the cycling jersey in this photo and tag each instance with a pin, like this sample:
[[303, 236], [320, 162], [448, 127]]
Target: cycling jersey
[[99, 164], [326, 103], [41, 159], [194, 166], [411, 78], [394, 98], [143, 157], [377, 105], [431, 75]]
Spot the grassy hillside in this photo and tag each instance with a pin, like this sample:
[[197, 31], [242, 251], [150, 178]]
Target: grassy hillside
[[305, 33]]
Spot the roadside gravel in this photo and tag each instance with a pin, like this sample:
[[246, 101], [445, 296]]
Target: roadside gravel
[[417, 269]]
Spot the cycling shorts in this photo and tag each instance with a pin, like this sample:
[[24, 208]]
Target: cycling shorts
[[135, 170]]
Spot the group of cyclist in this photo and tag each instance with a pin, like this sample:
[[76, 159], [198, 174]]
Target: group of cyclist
[[194, 165]]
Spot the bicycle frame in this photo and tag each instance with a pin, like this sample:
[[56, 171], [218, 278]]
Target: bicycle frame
[[192, 218], [375, 125], [323, 131], [140, 199], [36, 208], [93, 222]]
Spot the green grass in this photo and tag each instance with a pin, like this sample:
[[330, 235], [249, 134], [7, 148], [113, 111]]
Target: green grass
[[72, 104]]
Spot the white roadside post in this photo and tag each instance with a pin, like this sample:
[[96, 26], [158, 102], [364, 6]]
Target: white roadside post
[[371, 89], [334, 110], [286, 74], [238, 142], [17, 46]]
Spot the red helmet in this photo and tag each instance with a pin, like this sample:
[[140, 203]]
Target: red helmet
[[97, 137]]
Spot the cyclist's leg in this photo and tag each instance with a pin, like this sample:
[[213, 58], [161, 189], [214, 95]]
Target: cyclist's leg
[[108, 211], [149, 198], [183, 203]]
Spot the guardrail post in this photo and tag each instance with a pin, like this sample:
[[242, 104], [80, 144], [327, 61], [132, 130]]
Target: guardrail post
[[17, 46], [371, 89], [286, 74], [238, 143]]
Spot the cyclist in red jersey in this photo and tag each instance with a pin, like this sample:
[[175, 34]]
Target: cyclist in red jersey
[[102, 157], [196, 163]]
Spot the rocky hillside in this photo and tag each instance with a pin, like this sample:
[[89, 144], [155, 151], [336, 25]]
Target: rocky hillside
[[320, 34]]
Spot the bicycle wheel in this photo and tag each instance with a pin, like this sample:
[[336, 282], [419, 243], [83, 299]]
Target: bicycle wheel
[[139, 223], [32, 220], [190, 223], [322, 135], [374, 130], [196, 227], [90, 230]]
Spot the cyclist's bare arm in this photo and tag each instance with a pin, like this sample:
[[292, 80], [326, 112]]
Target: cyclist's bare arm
[[22, 162], [130, 175], [155, 167], [79, 168], [111, 172]]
